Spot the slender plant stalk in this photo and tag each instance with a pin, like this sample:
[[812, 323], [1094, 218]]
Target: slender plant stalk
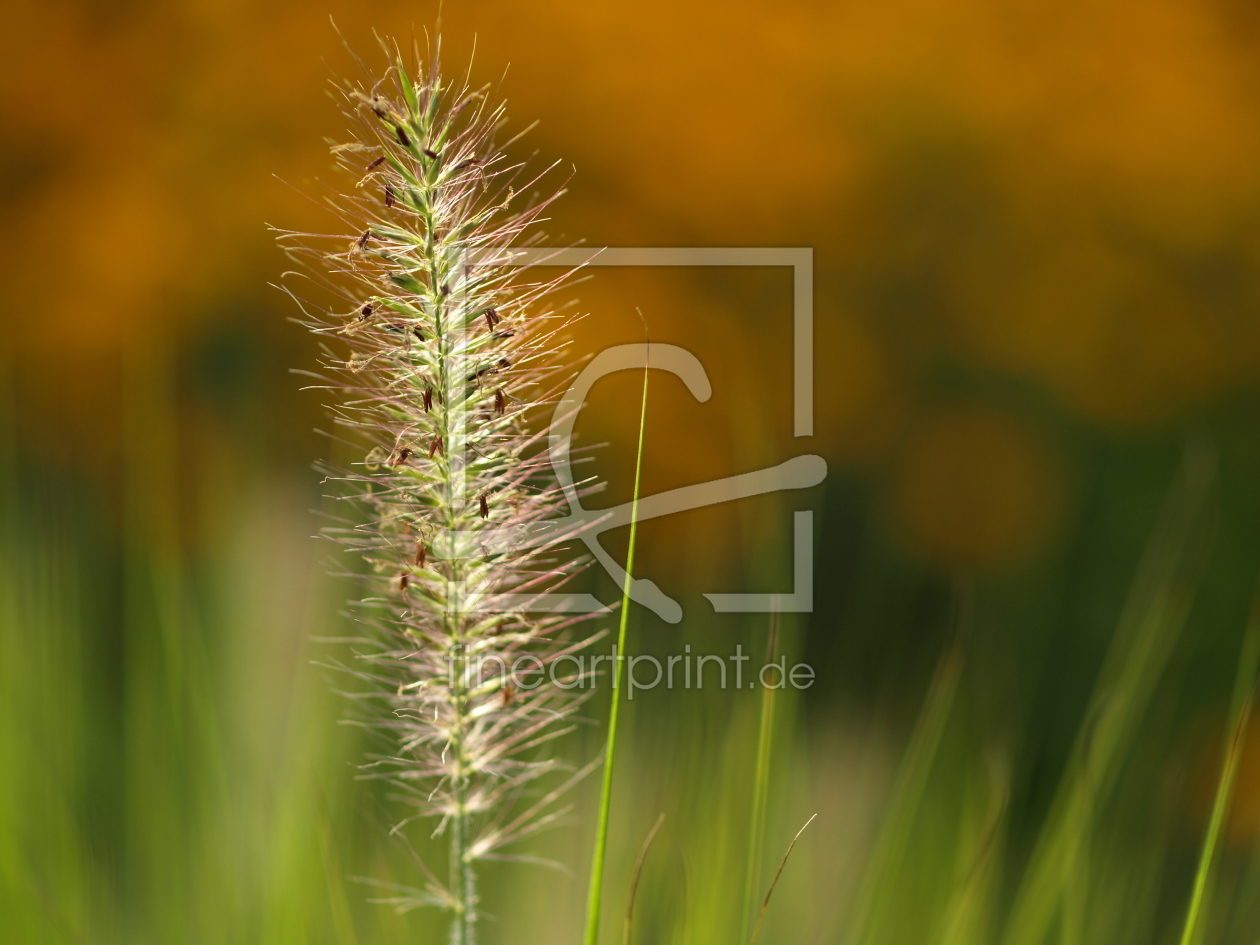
[[595, 894], [761, 785], [634, 877], [450, 357], [1241, 705], [765, 904]]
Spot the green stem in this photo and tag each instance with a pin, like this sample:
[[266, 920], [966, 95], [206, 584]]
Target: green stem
[[1239, 717], [463, 877], [761, 787], [605, 797]]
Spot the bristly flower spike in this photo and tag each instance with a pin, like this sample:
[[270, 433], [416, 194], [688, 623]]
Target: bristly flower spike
[[423, 274]]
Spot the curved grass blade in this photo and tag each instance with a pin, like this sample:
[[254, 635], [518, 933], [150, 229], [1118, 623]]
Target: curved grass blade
[[634, 879], [761, 916]]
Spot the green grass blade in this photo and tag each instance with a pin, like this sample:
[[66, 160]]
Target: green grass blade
[[879, 890], [1150, 625], [966, 919], [635, 876], [1239, 718], [595, 894], [338, 905], [761, 786]]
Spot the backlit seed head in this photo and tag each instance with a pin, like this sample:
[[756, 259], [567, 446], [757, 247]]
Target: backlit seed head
[[402, 398]]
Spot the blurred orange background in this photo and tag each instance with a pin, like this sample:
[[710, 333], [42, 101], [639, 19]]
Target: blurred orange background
[[1063, 196]]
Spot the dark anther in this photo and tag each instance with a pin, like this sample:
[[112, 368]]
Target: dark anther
[[421, 554], [430, 154], [500, 402], [400, 456], [484, 506], [492, 318], [427, 400], [435, 446], [491, 369], [402, 582], [377, 163], [402, 137], [389, 195]]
